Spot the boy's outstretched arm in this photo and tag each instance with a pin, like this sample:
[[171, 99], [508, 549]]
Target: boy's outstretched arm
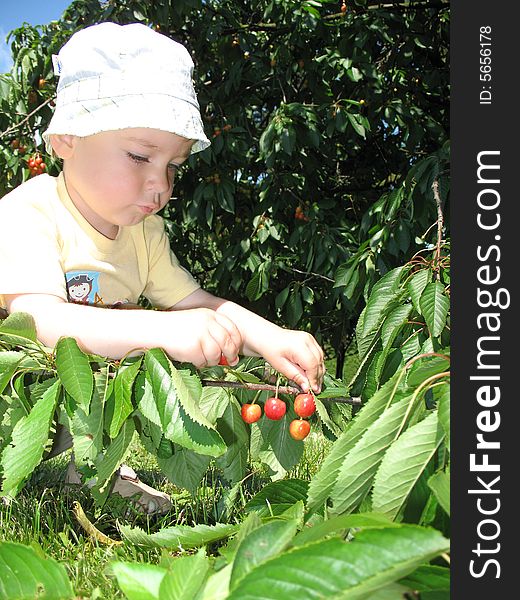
[[295, 354], [198, 335]]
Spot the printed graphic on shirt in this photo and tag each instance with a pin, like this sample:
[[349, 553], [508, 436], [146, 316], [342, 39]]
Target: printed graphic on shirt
[[83, 287]]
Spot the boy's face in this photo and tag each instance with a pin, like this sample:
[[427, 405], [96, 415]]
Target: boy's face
[[120, 177]]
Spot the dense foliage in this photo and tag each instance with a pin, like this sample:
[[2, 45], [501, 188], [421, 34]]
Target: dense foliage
[[316, 116], [323, 203]]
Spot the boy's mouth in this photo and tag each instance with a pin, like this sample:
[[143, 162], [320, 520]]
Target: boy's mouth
[[148, 210]]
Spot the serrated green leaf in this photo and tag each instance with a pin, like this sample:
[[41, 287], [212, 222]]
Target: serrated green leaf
[[74, 371], [337, 525], [28, 441], [393, 323], [322, 413], [355, 477], [123, 386], [189, 392], [178, 537], [403, 464], [338, 569], [176, 424], [381, 296], [323, 482], [19, 324], [25, 574], [213, 402], [285, 493], [416, 285], [434, 306], [185, 468]]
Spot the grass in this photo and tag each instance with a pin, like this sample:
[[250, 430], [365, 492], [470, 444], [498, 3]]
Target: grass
[[41, 515]]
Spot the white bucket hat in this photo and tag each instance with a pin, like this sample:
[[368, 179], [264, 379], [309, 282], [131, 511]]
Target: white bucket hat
[[123, 76]]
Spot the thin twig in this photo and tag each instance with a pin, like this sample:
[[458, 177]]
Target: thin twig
[[288, 389], [26, 118], [440, 223]]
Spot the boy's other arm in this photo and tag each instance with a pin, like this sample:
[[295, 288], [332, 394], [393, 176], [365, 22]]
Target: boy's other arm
[[198, 335], [295, 354]]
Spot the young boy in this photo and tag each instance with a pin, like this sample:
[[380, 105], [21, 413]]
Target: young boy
[[126, 118]]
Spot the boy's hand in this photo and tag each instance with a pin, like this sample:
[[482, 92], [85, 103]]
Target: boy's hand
[[202, 336], [295, 354]]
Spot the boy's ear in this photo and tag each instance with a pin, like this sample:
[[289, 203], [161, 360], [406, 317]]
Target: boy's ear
[[63, 145]]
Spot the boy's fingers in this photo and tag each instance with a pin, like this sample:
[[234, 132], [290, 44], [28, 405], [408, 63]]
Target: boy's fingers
[[233, 343]]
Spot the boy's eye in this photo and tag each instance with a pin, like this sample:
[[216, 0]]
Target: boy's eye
[[137, 158]]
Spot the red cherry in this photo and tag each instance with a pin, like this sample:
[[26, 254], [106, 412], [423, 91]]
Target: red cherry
[[304, 405], [299, 429], [250, 412], [223, 362], [274, 408]]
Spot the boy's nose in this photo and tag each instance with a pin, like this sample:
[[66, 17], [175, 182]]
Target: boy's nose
[[160, 183]]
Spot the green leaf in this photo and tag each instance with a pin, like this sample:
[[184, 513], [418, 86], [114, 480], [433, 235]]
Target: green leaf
[[177, 425], [87, 430], [383, 292], [185, 468], [213, 402], [338, 525], [259, 546], [355, 121], [9, 361], [284, 493], [217, 585], [139, 581], [403, 464], [28, 441], [393, 323], [434, 307], [123, 385], [19, 325], [189, 392], [272, 444], [416, 285], [25, 574], [178, 537], [441, 394], [439, 483], [235, 434], [323, 482], [360, 465], [74, 371], [187, 576], [428, 578], [107, 463], [337, 569], [426, 367]]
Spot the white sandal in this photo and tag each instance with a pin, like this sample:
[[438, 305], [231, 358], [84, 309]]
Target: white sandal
[[128, 485]]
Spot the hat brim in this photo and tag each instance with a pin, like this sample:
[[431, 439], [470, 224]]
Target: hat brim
[[154, 111]]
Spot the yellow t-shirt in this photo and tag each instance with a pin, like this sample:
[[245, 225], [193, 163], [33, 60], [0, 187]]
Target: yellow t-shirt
[[47, 247]]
